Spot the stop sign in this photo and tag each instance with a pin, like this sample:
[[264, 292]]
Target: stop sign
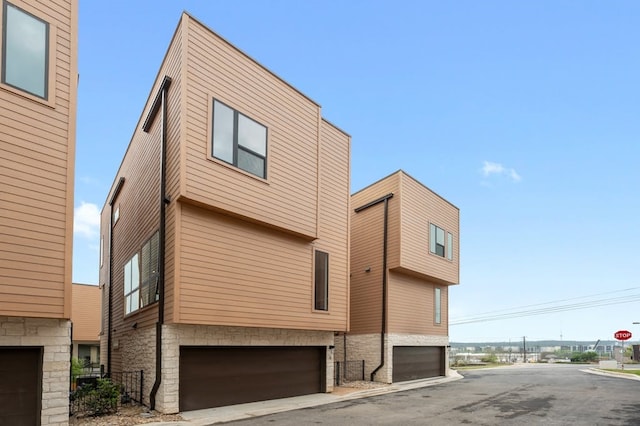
[[622, 335]]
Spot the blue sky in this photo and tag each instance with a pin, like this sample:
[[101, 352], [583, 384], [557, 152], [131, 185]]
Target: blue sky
[[523, 114]]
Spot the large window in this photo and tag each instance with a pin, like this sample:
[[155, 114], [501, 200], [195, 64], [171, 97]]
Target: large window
[[25, 51], [239, 140], [321, 285], [141, 276], [437, 244], [437, 306]]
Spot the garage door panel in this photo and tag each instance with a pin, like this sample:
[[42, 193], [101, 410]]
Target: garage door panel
[[20, 386], [417, 362], [218, 376]]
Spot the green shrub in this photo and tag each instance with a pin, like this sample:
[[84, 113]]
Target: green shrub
[[76, 369], [490, 358], [99, 399]]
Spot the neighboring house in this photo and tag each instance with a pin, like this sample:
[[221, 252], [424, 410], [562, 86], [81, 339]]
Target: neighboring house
[[38, 91], [85, 318], [404, 257], [224, 262]]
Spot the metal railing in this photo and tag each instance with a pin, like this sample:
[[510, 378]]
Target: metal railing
[[348, 371], [86, 397]]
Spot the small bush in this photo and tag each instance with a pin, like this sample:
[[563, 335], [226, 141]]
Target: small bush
[[76, 369], [99, 399]]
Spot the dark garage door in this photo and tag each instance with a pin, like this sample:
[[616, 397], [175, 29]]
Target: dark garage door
[[218, 376], [20, 386], [417, 362]]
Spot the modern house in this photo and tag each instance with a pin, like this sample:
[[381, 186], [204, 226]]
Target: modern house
[[224, 266], [85, 319], [404, 256], [38, 91]]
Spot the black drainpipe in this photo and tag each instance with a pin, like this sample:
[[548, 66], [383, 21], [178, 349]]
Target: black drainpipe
[[383, 328], [160, 102], [116, 192]]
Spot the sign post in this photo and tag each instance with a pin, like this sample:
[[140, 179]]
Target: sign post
[[622, 335]]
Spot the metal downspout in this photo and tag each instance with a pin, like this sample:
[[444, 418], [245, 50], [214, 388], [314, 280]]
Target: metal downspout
[[160, 102], [383, 325]]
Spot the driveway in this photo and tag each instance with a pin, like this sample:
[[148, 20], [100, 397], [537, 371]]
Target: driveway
[[526, 394]]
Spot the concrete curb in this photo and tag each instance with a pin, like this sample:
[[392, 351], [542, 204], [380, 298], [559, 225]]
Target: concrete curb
[[599, 372], [257, 409]]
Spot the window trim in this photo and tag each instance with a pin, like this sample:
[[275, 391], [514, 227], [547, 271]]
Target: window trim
[[325, 306], [447, 246], [133, 289], [235, 146], [51, 56], [437, 306], [141, 305]]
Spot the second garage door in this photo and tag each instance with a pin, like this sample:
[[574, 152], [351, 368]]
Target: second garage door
[[417, 362], [219, 376]]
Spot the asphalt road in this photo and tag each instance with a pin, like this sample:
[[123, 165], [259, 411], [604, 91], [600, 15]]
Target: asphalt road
[[533, 394]]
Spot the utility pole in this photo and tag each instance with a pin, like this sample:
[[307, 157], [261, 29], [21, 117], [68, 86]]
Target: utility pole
[[524, 348]]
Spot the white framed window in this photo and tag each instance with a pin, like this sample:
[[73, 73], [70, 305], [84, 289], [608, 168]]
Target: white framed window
[[132, 285], [239, 140], [321, 281], [436, 240], [437, 309], [116, 214], [25, 51]]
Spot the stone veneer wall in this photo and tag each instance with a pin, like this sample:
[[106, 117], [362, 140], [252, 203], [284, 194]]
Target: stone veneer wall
[[54, 336], [138, 349], [176, 335], [367, 347]]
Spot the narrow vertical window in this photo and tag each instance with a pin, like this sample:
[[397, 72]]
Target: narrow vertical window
[[436, 240], [116, 215], [321, 287], [449, 246], [149, 271], [438, 306], [25, 51], [132, 285], [101, 250]]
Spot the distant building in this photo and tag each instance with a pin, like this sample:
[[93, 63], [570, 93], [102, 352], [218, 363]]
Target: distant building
[[85, 317]]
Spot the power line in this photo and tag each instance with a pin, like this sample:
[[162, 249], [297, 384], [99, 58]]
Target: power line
[[551, 309], [543, 303]]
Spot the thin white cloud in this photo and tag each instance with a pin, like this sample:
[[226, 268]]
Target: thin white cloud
[[86, 220], [489, 168]]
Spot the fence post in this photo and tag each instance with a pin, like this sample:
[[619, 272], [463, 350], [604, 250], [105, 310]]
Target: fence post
[[141, 386], [338, 375], [362, 369]]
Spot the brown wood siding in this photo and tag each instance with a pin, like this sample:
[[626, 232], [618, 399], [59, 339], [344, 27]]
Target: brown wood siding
[[37, 150], [85, 312], [287, 198], [333, 214], [139, 199], [367, 240], [237, 273], [412, 304], [421, 206]]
